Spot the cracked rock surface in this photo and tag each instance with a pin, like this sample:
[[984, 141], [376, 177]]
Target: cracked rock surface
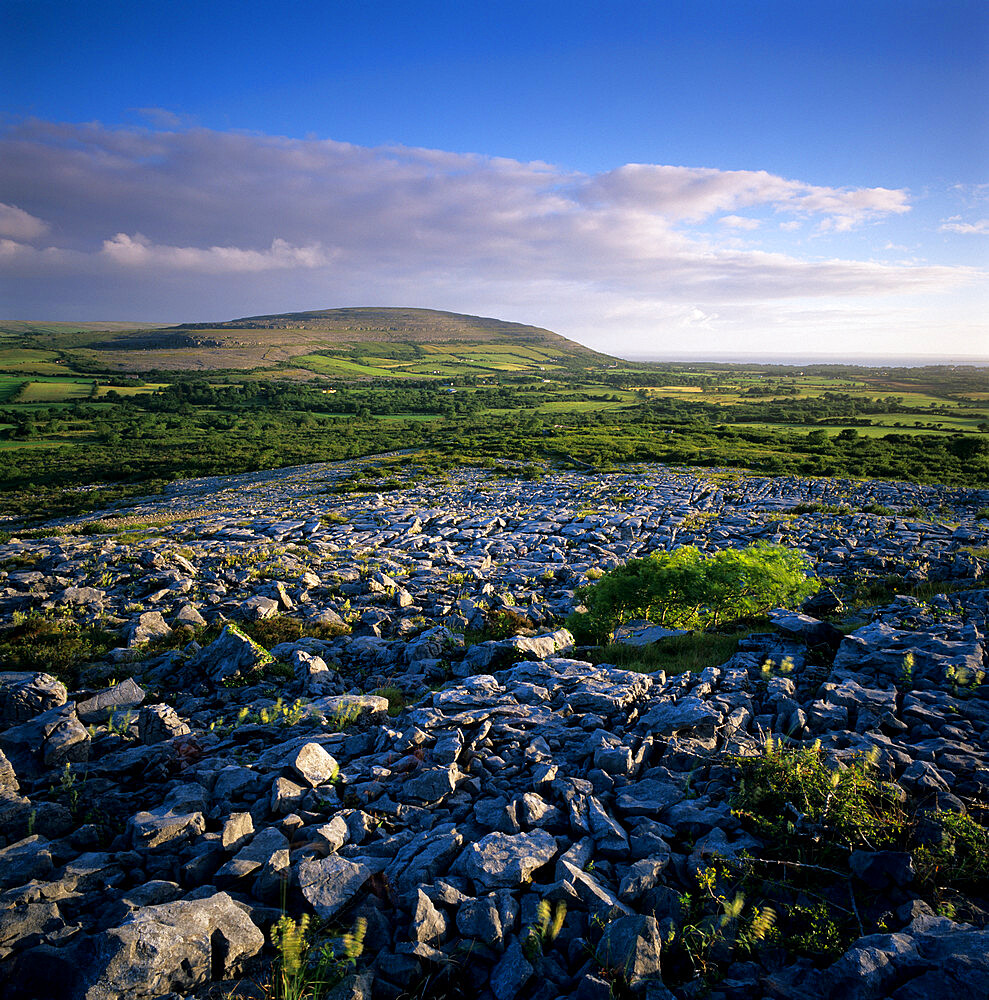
[[161, 808]]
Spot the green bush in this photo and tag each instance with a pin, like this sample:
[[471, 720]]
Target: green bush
[[810, 812], [54, 643], [795, 799], [396, 698], [959, 856], [282, 628], [687, 589]]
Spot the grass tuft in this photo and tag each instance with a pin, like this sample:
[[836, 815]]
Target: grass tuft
[[692, 652]]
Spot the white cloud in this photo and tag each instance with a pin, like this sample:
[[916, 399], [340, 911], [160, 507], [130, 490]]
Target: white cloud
[[693, 194], [738, 222], [955, 225], [138, 251], [20, 225], [192, 220]]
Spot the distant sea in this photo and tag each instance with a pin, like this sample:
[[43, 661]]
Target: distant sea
[[865, 360]]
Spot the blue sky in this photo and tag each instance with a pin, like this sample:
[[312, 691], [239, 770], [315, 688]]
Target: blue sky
[[738, 176]]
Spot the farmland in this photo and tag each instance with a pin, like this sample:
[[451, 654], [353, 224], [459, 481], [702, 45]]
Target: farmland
[[89, 415]]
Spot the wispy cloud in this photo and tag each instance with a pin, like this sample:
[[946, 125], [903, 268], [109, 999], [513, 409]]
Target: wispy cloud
[[739, 222], [246, 221], [139, 252], [694, 194], [956, 225]]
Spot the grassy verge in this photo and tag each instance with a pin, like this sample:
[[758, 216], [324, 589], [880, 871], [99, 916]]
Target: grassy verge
[[692, 652], [53, 643], [881, 590]]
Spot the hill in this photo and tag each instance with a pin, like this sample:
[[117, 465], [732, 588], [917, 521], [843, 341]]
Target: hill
[[355, 342], [387, 325], [21, 327]]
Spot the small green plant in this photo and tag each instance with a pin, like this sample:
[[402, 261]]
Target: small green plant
[[305, 968], [292, 946], [960, 857], [678, 654], [811, 811], [717, 926], [332, 517], [119, 726], [821, 508], [499, 624], [277, 714], [906, 671], [880, 509], [273, 631], [344, 716], [796, 796], [54, 642], [68, 788], [282, 714], [396, 698], [546, 929], [782, 669], [963, 680], [813, 930]]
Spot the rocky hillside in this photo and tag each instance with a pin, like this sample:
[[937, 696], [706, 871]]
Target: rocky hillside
[[387, 324], [464, 814], [265, 341]]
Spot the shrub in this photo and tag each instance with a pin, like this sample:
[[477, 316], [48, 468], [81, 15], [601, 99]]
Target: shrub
[[796, 798], [282, 628], [54, 643], [957, 856], [688, 589], [811, 812]]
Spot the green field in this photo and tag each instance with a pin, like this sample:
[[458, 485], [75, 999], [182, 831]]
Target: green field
[[28, 361], [832, 430], [54, 390], [277, 391], [129, 390]]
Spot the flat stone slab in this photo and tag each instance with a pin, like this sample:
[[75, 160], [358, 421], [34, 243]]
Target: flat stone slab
[[329, 884], [505, 861], [172, 946], [644, 634], [118, 698], [648, 798], [689, 715]]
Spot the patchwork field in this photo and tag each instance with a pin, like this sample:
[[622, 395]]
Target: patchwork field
[[132, 408]]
